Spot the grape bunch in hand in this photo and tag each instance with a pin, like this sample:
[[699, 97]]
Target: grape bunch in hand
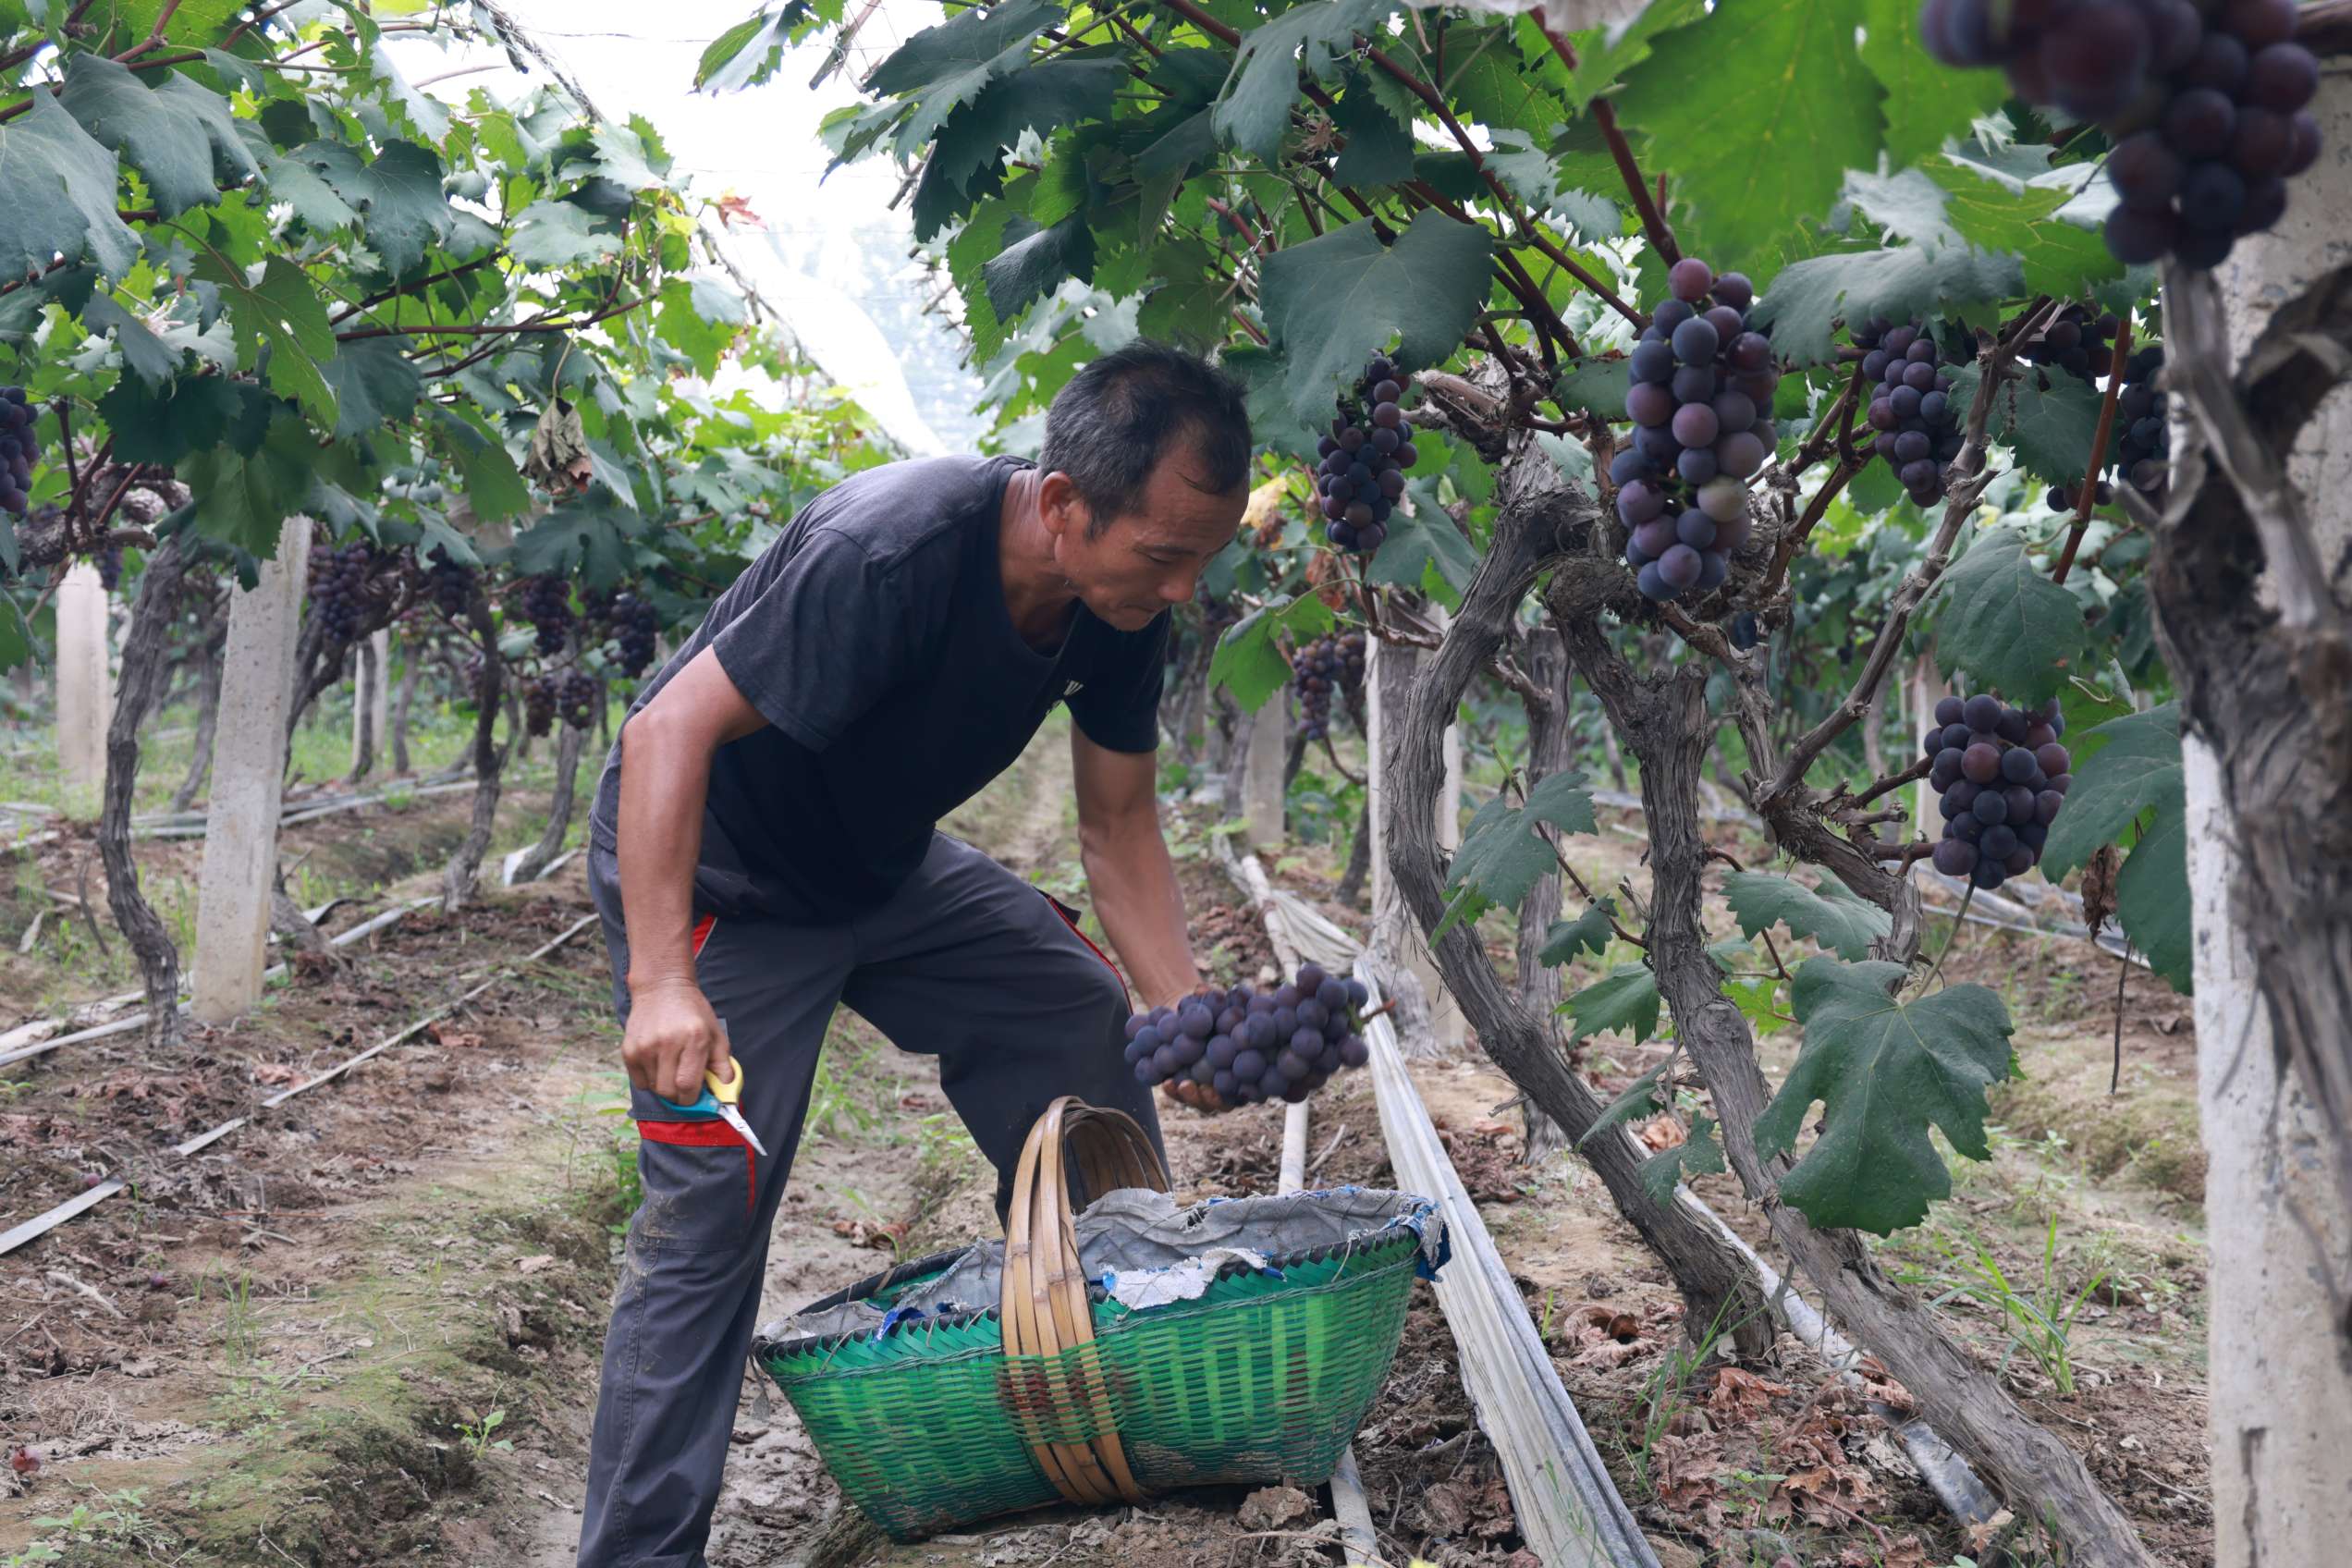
[[1701, 403], [1244, 1045], [2004, 778]]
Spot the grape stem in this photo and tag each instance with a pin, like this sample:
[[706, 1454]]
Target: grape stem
[[1653, 220], [1958, 920], [2097, 452]]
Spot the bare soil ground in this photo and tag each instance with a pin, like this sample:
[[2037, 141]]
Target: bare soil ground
[[365, 1329]]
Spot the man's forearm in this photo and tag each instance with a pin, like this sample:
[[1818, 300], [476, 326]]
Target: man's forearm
[[1141, 907], [664, 783]]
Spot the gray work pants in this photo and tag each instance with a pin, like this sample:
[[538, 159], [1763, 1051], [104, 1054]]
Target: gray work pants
[[967, 963]]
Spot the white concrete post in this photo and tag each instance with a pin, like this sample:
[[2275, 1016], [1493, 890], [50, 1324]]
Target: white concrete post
[[249, 771], [371, 697], [2280, 1381], [85, 692], [1262, 772]]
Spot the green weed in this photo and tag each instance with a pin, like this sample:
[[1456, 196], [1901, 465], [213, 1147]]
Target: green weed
[[2040, 1317]]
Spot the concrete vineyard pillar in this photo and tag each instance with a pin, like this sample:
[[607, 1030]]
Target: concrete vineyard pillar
[[249, 770], [85, 692], [1262, 772], [371, 700], [1388, 673], [2279, 1369]]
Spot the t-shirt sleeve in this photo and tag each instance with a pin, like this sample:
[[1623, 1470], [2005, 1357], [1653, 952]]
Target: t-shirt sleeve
[[822, 642], [1119, 710]]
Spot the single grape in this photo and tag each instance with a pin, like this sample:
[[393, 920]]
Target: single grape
[[1690, 279], [1679, 567]]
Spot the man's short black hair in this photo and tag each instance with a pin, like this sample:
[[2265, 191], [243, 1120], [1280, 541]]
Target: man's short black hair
[[1115, 420]]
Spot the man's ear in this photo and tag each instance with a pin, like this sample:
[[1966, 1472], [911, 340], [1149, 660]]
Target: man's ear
[[1061, 508]]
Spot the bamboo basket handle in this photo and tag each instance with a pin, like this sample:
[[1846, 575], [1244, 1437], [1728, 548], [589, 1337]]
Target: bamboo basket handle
[[1043, 1305]]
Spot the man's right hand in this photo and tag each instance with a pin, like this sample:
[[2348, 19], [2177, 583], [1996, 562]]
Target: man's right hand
[[673, 1038]]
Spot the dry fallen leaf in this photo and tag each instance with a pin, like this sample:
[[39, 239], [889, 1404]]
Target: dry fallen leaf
[[1663, 1133], [533, 1264], [1274, 1508], [1743, 1396], [24, 1461]]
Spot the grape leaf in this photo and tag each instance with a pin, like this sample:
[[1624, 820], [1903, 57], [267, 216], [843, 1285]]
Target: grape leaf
[[296, 180], [148, 356], [1926, 100], [589, 534], [242, 497], [57, 188], [162, 424], [1033, 264], [1561, 800], [374, 384], [1572, 458], [1378, 150], [1645, 1096], [2004, 622], [1248, 664], [1596, 386], [1419, 539], [1886, 1072], [1607, 51], [1765, 143], [1503, 856], [2135, 771], [555, 235], [1906, 206], [493, 487], [1332, 302], [161, 135], [282, 316], [1625, 998], [405, 210], [1903, 282], [1590, 933], [1188, 304], [949, 64], [1833, 916], [1039, 97], [2059, 257], [1697, 1154], [2050, 428], [975, 245], [743, 55], [1254, 109]]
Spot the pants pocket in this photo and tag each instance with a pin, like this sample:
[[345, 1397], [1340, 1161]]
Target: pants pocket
[[700, 1185]]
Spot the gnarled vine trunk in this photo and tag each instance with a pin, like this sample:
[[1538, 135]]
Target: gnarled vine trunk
[[409, 667], [1551, 749], [208, 688], [1538, 518], [569, 744], [146, 670]]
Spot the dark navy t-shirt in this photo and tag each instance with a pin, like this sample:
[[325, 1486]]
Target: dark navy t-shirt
[[873, 636]]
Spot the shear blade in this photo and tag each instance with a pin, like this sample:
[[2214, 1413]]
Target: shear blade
[[735, 1119]]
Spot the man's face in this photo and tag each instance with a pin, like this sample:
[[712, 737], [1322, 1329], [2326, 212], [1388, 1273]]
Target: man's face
[[1148, 560]]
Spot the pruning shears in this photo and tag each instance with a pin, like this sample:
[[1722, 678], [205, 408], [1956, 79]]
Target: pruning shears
[[719, 1102]]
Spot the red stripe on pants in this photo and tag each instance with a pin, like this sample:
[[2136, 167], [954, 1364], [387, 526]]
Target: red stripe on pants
[[709, 1135]]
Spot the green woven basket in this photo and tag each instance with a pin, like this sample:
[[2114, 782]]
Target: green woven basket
[[929, 1424]]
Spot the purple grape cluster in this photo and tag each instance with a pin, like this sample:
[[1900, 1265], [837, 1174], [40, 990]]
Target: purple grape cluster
[[1910, 405], [1327, 665], [546, 602], [2076, 342], [2143, 436], [2206, 103], [344, 592], [575, 695], [16, 446], [633, 624], [2002, 776], [1701, 403], [1364, 460], [538, 706], [1250, 1045], [449, 584]]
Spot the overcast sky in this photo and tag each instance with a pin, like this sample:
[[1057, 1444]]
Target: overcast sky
[[761, 143]]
